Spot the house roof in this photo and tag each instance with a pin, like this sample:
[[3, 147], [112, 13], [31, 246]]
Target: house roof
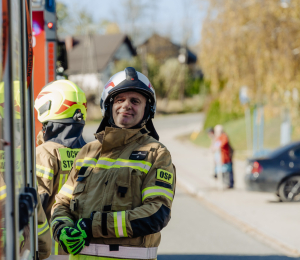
[[93, 53], [164, 48]]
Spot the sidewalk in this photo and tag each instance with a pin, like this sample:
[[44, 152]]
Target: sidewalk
[[260, 214]]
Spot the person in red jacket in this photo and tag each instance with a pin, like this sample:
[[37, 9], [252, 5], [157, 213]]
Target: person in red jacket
[[226, 151]]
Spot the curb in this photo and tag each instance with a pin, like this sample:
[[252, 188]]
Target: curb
[[242, 225]]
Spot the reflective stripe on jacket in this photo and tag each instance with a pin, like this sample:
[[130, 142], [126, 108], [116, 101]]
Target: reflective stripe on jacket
[[44, 235], [127, 179], [53, 163]]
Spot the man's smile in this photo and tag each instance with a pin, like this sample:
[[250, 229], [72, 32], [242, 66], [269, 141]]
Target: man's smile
[[125, 114]]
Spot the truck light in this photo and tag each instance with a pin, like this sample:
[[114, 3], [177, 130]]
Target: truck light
[[50, 25]]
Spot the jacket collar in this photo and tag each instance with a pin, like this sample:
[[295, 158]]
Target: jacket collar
[[112, 137]]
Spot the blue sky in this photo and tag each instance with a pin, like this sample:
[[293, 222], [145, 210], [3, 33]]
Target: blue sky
[[172, 18]]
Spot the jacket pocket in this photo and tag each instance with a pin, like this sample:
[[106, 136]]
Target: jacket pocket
[[74, 203], [79, 188], [136, 188], [122, 197], [84, 173]]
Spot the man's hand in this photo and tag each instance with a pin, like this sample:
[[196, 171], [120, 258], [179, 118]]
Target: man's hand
[[71, 240], [84, 225]]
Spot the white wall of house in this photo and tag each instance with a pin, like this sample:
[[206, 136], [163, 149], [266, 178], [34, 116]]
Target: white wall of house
[[89, 83], [123, 53]]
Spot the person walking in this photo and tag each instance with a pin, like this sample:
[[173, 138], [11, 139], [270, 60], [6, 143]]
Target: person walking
[[211, 134], [119, 194], [61, 107], [224, 149]]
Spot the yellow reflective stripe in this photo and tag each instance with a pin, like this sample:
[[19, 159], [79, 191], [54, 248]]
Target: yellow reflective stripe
[[86, 162], [65, 193], [43, 228], [124, 224], [44, 168], [157, 191], [60, 184], [44, 224], [116, 224], [56, 248], [2, 161], [120, 224], [135, 161], [108, 163], [67, 190], [44, 172], [2, 192], [61, 218]]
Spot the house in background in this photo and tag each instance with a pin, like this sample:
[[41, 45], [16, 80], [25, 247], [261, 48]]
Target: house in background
[[91, 59], [162, 49]]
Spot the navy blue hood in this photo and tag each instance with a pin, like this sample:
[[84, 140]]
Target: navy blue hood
[[67, 134]]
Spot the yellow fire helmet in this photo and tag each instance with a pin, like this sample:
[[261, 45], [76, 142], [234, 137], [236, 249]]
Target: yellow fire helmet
[[61, 101], [17, 99]]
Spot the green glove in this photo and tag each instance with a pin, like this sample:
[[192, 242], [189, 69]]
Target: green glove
[[71, 240], [84, 225]]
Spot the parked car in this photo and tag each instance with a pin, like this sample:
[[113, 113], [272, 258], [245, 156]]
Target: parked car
[[277, 172]]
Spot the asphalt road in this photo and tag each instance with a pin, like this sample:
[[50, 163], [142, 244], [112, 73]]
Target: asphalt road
[[195, 232]]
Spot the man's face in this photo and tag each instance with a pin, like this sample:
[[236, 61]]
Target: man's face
[[128, 109]]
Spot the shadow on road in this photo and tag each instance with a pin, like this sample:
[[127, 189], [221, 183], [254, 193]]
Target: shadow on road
[[222, 257]]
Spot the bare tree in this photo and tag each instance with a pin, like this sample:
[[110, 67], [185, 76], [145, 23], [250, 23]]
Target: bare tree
[[134, 13], [254, 43]]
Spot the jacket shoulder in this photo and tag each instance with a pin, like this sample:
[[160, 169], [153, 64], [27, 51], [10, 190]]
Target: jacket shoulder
[[48, 149], [153, 143], [90, 148]]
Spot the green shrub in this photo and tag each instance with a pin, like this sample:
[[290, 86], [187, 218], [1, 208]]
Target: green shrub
[[192, 86], [215, 115]]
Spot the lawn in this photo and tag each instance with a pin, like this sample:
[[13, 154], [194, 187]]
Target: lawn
[[236, 131]]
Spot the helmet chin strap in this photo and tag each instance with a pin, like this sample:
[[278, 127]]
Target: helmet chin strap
[[143, 122]]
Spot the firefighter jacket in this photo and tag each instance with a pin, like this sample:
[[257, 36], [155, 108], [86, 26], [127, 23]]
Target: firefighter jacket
[[44, 235], [53, 163], [126, 181]]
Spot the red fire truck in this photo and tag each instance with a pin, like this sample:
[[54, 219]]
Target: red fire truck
[[44, 46]]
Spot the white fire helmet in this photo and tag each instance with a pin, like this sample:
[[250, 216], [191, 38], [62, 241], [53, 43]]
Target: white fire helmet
[[128, 80]]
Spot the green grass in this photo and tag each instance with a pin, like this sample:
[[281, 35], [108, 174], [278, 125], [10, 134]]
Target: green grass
[[236, 131]]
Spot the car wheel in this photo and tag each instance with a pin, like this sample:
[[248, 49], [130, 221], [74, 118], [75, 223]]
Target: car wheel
[[289, 190]]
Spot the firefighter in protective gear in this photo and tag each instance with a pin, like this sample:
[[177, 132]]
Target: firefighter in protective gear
[[119, 194], [61, 107], [44, 235]]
